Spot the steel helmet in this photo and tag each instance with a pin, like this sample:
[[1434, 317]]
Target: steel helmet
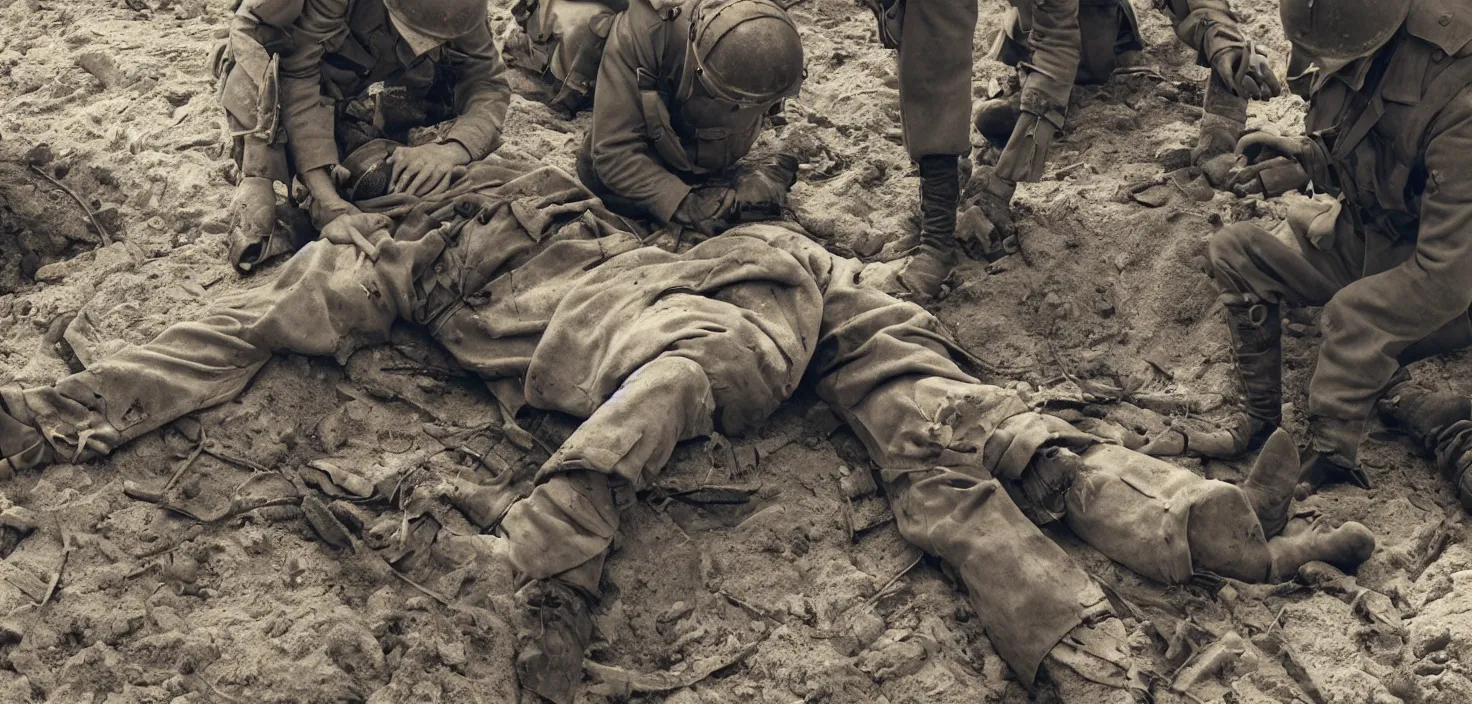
[[1337, 32], [368, 170], [440, 20], [746, 51]]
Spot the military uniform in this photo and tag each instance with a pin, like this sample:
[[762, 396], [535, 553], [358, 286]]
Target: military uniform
[[653, 139], [1391, 262], [1056, 43], [302, 89]]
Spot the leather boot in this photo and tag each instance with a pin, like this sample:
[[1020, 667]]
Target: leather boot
[[940, 193], [1345, 547], [552, 631], [1093, 664], [1270, 484], [1257, 346], [21, 443], [1440, 423], [997, 118]]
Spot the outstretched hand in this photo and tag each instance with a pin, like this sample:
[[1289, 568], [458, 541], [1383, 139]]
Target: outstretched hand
[[362, 230]]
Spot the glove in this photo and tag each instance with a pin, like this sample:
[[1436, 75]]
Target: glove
[[1242, 65], [701, 209], [761, 189], [1273, 165]]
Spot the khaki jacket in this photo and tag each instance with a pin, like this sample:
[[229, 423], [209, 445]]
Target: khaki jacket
[[338, 48], [1392, 139], [647, 142]]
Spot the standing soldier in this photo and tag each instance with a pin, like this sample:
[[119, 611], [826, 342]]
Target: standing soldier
[[1053, 43], [324, 77], [1389, 129]]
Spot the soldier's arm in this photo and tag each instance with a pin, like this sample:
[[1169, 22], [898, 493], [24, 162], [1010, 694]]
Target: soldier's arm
[[622, 153], [481, 92], [1371, 321], [308, 122], [1197, 22]]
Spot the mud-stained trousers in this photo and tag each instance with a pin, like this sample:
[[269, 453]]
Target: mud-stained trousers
[[951, 449], [1370, 304], [935, 65]]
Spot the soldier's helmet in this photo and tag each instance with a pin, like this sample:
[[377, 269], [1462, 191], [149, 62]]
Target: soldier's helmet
[[746, 52], [1335, 33], [441, 20]]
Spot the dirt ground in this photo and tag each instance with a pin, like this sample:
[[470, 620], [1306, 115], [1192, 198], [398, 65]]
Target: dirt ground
[[810, 593]]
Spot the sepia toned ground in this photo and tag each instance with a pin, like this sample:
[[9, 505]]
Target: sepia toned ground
[[766, 557]]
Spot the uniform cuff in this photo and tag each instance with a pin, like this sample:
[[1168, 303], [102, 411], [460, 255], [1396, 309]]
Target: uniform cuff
[[664, 205]]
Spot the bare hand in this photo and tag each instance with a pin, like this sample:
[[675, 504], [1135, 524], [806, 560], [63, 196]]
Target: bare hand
[[362, 230], [425, 170]]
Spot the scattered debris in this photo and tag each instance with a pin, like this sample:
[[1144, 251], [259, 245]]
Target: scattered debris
[[618, 682]]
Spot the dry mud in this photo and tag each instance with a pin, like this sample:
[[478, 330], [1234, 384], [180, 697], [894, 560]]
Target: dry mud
[[151, 607]]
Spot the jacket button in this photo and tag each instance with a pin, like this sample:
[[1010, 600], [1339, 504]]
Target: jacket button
[[1445, 20], [1437, 55]]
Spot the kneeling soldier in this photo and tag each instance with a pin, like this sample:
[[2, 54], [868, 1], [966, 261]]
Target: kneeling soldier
[[323, 77], [682, 96], [1390, 256]]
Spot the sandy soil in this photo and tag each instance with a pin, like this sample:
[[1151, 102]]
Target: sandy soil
[[152, 607]]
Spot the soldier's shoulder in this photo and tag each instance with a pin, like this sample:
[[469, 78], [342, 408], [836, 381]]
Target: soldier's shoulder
[[1444, 23]]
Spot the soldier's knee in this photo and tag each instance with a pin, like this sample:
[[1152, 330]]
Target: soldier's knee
[[1230, 248]]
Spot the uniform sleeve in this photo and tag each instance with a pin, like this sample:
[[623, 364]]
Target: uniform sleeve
[[481, 92], [1197, 20], [622, 153], [1372, 321], [1056, 43], [309, 122]]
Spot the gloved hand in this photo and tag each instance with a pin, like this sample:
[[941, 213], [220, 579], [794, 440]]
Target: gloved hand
[[363, 230], [761, 188], [1270, 164], [1243, 66], [702, 207]]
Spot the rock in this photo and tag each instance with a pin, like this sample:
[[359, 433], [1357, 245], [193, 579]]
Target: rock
[[1437, 639], [1154, 196], [863, 629], [1173, 158], [103, 68], [858, 484], [676, 611], [870, 244], [39, 155]]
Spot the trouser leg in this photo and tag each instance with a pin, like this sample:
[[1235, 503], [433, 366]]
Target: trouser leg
[[323, 302], [1054, 38], [565, 527], [935, 65], [884, 367]]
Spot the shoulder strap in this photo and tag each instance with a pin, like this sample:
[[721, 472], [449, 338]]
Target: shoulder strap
[[657, 126]]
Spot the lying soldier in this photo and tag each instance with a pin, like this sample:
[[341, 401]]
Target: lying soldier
[[683, 93], [1389, 257], [308, 81], [1053, 44], [653, 348]]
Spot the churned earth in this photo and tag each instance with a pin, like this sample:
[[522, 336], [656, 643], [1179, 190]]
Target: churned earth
[[762, 569]]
